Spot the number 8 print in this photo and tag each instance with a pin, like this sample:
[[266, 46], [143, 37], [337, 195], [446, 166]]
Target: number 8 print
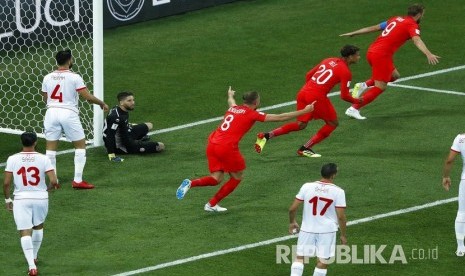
[[227, 122]]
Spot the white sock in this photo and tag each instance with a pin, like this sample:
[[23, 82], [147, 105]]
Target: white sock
[[460, 230], [319, 272], [26, 244], [37, 236], [79, 163], [52, 155], [297, 268]]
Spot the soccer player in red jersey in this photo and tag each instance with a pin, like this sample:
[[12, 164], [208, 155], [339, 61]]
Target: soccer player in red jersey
[[223, 146], [395, 32], [319, 82]]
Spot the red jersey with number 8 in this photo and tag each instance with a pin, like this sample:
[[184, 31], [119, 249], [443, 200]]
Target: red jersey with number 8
[[236, 122]]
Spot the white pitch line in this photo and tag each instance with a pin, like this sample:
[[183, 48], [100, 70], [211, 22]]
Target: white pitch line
[[427, 89], [282, 105], [280, 239]]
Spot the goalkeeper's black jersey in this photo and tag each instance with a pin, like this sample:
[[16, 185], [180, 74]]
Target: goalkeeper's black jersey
[[117, 130]]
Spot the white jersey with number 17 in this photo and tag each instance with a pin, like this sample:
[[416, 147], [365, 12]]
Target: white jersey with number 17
[[28, 169], [62, 87], [320, 202]]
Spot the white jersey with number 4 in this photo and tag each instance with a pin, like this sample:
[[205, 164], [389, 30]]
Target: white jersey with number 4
[[62, 87], [459, 146], [320, 202], [28, 169]]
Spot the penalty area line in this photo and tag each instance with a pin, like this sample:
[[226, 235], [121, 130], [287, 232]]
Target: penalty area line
[[284, 238]]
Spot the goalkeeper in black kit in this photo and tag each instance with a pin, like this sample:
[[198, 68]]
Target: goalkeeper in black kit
[[122, 137]]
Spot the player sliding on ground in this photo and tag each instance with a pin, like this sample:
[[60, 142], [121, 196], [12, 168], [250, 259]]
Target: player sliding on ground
[[319, 82], [223, 146]]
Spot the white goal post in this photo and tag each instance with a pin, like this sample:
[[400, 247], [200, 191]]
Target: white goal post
[[31, 33]]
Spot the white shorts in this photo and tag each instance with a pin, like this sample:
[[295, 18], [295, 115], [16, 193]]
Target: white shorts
[[29, 212], [58, 120], [321, 245]]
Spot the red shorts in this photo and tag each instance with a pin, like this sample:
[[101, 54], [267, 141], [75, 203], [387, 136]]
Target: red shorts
[[382, 66], [324, 109], [226, 158]]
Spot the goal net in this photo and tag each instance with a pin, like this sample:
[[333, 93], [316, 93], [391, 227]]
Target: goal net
[[31, 33]]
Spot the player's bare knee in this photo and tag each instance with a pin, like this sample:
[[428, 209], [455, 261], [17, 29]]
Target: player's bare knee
[[149, 125]]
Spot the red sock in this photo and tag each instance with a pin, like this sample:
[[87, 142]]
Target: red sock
[[369, 96], [204, 181], [224, 191], [285, 129], [370, 82], [392, 79], [324, 132]]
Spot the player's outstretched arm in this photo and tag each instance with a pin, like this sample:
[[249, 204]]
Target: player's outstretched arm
[[365, 30], [432, 58], [289, 115], [231, 100], [91, 98]]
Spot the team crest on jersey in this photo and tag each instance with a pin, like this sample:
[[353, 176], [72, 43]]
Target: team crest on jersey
[[124, 10]]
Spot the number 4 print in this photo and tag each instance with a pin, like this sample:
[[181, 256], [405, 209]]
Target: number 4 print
[[314, 201], [56, 94]]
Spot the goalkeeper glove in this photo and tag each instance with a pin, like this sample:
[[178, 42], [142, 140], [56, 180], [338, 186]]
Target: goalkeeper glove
[[114, 158]]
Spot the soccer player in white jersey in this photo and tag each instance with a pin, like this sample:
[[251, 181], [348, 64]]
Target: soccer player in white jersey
[[458, 147], [30, 206], [61, 90], [324, 212]]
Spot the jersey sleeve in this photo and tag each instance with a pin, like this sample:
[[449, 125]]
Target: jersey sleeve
[[456, 144], [301, 194], [259, 116], [346, 78], [48, 164], [80, 83], [340, 199], [110, 132], [413, 30], [9, 165]]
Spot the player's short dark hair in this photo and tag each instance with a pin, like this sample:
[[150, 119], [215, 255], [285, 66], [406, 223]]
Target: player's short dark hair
[[63, 56], [250, 97], [28, 138], [328, 170], [415, 9], [123, 95], [349, 50]]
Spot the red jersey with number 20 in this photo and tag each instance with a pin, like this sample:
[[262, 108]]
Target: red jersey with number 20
[[323, 77], [236, 122], [398, 30]]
